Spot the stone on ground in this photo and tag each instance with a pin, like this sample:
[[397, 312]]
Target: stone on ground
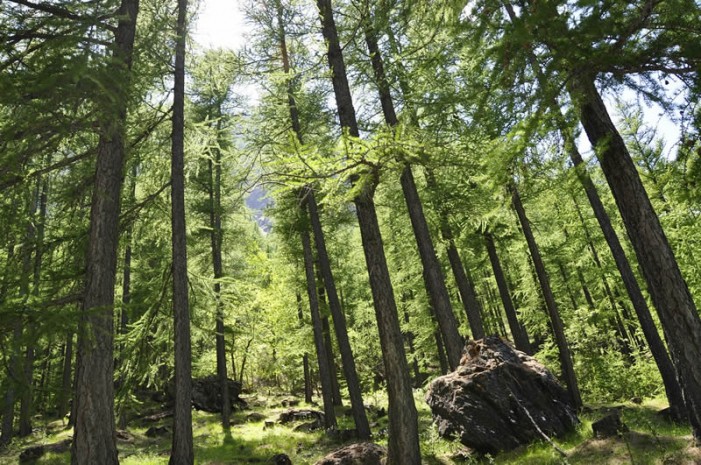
[[499, 398], [363, 453]]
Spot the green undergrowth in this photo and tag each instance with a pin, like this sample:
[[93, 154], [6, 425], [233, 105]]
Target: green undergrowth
[[651, 440]]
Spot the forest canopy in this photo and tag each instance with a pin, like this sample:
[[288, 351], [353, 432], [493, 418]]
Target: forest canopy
[[334, 209]]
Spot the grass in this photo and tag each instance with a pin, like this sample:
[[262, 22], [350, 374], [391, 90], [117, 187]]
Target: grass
[[651, 440]]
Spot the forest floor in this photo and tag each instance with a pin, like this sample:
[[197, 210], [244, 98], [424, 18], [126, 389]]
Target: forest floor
[[651, 440]]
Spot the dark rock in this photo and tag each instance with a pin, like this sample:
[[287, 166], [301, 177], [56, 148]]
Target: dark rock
[[280, 459], [290, 402], [301, 415], [124, 435], [308, 427], [342, 435], [364, 453], [31, 454], [255, 416], [269, 424], [609, 426], [636, 400], [157, 431], [206, 394], [496, 397]]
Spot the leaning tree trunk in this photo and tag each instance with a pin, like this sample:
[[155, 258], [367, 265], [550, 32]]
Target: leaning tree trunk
[[65, 392], [181, 452], [518, 332], [466, 288], [216, 242], [670, 294], [126, 299], [26, 365], [607, 129], [321, 355], [339, 322], [553, 312], [94, 439], [432, 270], [642, 311], [403, 440], [305, 357]]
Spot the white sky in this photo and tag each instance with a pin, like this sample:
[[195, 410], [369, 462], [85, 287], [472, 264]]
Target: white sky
[[220, 23]]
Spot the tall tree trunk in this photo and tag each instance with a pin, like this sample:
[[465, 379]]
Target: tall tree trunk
[[94, 439], [216, 242], [432, 270], [26, 369], [553, 312], [628, 185], [305, 357], [333, 369], [403, 440], [339, 321], [65, 392], [518, 332], [321, 355], [675, 306], [126, 298], [181, 452], [642, 311], [410, 336]]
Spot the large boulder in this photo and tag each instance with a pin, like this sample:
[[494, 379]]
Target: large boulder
[[363, 453], [206, 394], [499, 398]]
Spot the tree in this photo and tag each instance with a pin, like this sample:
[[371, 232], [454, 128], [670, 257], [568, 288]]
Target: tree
[[403, 427], [182, 448], [94, 436]]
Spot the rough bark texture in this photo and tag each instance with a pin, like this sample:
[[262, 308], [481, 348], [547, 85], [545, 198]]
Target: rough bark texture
[[517, 331], [642, 311], [321, 355], [126, 297], [432, 270], [498, 399], [94, 438], [669, 292], [181, 452], [339, 322], [216, 242], [403, 422], [553, 312], [65, 393]]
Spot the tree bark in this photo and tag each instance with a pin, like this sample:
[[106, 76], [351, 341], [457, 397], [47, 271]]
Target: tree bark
[[321, 355], [94, 439], [432, 270], [669, 292], [339, 321], [216, 236], [518, 332], [553, 312], [403, 440], [333, 369], [606, 130], [182, 452], [126, 296], [64, 394]]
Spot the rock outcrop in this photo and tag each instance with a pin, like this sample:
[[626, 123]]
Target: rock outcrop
[[363, 453], [499, 398]]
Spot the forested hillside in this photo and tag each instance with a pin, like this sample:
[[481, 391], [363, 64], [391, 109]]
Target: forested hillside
[[327, 215]]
